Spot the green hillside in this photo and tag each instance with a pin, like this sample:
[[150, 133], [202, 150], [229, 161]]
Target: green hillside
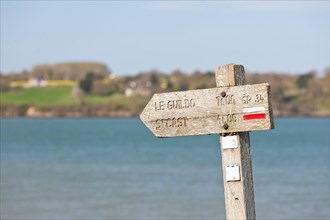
[[38, 96], [46, 96]]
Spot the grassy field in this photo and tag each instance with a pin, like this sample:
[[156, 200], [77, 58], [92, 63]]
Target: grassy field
[[47, 96]]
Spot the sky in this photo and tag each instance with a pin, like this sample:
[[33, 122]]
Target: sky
[[134, 36]]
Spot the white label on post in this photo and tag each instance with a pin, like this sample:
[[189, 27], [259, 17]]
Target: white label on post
[[229, 142], [232, 172]]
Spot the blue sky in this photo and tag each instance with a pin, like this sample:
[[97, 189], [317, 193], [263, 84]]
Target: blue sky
[[133, 36]]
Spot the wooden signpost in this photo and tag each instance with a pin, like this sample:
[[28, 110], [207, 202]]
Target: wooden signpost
[[231, 110]]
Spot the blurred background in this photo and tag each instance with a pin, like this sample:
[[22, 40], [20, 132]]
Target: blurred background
[[107, 58], [75, 74]]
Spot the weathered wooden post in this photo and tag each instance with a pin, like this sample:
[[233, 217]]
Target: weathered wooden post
[[235, 152], [232, 109]]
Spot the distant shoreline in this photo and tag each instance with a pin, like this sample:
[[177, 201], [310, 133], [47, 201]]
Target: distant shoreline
[[305, 95]]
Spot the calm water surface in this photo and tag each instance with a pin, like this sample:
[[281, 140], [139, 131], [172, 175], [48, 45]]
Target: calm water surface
[[116, 169]]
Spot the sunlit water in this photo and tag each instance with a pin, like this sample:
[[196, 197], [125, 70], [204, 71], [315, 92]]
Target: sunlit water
[[115, 168]]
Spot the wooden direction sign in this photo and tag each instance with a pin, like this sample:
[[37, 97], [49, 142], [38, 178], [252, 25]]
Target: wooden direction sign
[[232, 109], [209, 111]]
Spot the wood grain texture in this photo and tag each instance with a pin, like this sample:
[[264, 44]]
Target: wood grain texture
[[239, 195], [206, 111]]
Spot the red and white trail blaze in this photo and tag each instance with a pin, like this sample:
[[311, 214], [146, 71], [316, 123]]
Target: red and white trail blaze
[[252, 113]]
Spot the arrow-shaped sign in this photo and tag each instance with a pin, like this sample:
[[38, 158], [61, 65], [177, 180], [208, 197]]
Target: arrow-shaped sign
[[209, 111]]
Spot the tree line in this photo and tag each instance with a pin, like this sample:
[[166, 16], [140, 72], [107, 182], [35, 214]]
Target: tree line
[[304, 94]]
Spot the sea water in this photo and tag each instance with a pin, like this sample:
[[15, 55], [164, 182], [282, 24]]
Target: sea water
[[116, 169]]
